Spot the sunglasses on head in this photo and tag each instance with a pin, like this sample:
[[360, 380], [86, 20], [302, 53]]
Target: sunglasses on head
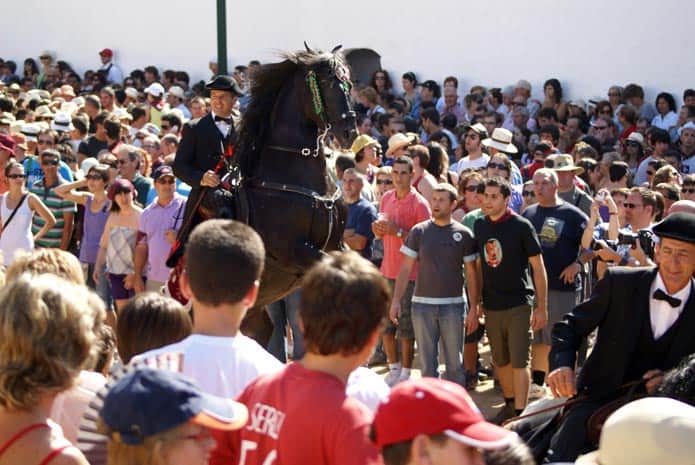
[[16, 176], [385, 182], [499, 166], [50, 162]]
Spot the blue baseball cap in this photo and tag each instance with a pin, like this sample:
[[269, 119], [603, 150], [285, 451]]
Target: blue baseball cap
[[147, 402]]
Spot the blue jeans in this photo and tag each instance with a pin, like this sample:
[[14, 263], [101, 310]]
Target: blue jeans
[[103, 289], [432, 323], [282, 312]]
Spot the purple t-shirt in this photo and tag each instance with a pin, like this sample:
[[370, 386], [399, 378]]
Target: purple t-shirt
[[154, 221]]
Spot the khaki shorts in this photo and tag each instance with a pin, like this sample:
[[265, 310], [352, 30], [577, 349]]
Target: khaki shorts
[[510, 336], [559, 304], [405, 323]]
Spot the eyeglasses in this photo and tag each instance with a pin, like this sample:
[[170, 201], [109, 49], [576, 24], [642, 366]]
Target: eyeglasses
[[166, 181], [385, 182], [631, 205], [94, 177], [471, 188], [528, 194], [499, 166], [45, 142], [16, 176], [52, 162]]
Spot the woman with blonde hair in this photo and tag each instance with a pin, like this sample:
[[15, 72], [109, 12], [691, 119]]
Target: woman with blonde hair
[[49, 329]]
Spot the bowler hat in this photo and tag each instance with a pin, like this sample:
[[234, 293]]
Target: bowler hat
[[222, 82], [679, 226]]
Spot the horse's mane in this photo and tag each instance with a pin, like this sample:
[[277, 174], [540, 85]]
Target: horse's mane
[[266, 83]]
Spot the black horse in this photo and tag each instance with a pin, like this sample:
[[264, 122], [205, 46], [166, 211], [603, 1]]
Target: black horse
[[292, 201]]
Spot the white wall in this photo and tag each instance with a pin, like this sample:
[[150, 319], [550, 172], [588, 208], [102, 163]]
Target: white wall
[[587, 44]]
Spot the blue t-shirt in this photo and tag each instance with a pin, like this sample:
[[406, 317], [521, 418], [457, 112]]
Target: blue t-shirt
[[559, 230], [361, 215], [32, 167]]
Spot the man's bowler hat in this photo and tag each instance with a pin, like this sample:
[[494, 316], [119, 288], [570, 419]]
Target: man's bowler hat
[[227, 83], [679, 226]]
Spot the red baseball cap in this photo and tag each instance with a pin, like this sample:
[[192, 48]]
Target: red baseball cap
[[106, 52], [433, 406]]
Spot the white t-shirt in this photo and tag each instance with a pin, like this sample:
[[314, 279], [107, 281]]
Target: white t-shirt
[[466, 162], [367, 387], [222, 366]]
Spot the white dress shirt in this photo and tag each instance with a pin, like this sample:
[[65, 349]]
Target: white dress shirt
[[221, 126], [661, 314]]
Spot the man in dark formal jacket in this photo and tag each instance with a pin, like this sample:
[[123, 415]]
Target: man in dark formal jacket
[[203, 143], [646, 321]]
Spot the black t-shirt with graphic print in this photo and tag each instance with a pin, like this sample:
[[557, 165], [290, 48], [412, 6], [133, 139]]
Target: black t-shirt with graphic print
[[560, 231], [504, 247]]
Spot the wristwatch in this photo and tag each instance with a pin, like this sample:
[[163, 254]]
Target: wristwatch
[[399, 233]]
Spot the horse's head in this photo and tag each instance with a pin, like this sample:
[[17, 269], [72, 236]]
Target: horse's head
[[328, 96]]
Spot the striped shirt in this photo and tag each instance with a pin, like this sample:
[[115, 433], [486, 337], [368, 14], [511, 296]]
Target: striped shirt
[[58, 207]]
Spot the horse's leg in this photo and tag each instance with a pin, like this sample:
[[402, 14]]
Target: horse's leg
[[258, 325]]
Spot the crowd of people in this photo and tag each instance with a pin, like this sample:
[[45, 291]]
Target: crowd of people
[[473, 216]]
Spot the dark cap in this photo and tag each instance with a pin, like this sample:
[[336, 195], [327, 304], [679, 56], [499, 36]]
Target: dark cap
[[431, 85], [222, 82], [7, 143], [679, 226], [163, 170], [147, 402], [119, 185]]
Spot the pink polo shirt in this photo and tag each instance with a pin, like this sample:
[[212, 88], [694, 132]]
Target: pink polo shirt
[[405, 213]]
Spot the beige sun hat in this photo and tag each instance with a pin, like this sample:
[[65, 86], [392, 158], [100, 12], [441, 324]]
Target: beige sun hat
[[501, 140], [563, 162], [653, 430], [398, 141]]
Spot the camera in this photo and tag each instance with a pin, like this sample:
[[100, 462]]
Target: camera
[[645, 238]]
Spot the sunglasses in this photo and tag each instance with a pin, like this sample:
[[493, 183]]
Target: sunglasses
[[52, 162], [688, 191], [16, 176], [472, 188], [631, 205], [166, 181], [94, 177], [499, 166], [385, 182], [528, 194], [165, 128]]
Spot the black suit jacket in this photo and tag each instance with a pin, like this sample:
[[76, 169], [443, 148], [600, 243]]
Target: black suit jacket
[[618, 307], [200, 149]]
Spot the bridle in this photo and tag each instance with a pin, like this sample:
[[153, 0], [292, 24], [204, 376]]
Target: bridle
[[313, 83]]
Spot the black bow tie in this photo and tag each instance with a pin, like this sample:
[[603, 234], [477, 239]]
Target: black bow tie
[[661, 295], [223, 119]]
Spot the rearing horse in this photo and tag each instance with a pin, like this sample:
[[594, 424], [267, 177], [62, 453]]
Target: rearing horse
[[292, 201]]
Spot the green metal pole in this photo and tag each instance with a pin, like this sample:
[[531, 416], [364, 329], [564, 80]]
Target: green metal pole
[[221, 37]]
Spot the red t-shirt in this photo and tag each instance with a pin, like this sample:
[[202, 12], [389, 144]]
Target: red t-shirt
[[299, 417], [406, 213]]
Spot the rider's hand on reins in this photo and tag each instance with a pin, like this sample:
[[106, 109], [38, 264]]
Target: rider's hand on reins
[[562, 382], [210, 179]]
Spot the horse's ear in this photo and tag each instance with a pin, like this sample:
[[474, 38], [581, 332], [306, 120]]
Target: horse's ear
[[308, 49], [336, 48]]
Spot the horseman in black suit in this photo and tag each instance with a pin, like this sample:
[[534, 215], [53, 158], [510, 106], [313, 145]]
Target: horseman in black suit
[[204, 142], [646, 321]]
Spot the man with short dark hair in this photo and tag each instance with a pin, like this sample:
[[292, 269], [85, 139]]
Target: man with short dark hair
[[475, 158], [660, 141], [434, 422], [507, 245], [634, 95], [301, 415], [217, 356], [400, 210], [686, 142], [60, 234], [442, 248]]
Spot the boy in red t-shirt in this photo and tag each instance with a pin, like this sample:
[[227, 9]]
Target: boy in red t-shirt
[[301, 415]]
